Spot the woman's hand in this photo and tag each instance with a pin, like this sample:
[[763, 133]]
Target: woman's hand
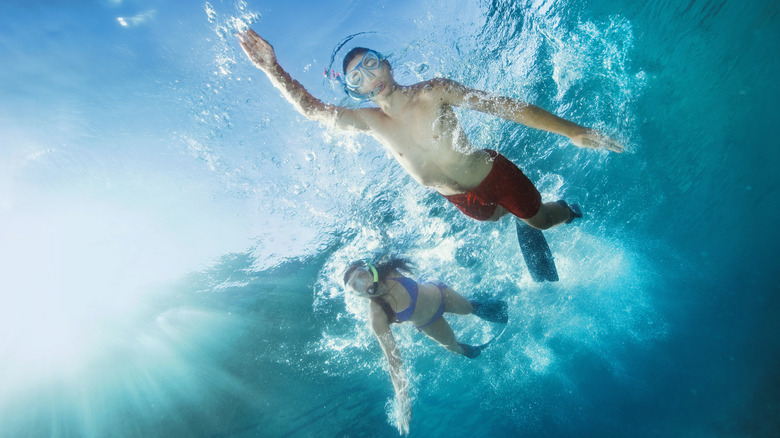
[[590, 138], [402, 406], [403, 412], [257, 49]]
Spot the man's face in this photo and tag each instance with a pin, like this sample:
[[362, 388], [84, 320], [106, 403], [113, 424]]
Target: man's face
[[368, 74]]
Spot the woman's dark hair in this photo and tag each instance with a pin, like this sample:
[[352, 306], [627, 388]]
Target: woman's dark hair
[[384, 266], [388, 264]]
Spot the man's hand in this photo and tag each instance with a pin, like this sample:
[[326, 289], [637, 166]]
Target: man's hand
[[257, 49], [590, 138]]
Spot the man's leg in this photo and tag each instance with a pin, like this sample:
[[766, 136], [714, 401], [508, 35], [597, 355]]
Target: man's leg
[[549, 215], [498, 214], [508, 190]]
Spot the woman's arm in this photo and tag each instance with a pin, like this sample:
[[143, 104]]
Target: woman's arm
[[381, 327], [454, 93], [263, 57]]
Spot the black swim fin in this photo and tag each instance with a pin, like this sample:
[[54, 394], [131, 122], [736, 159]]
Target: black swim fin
[[492, 310], [471, 351], [536, 253]]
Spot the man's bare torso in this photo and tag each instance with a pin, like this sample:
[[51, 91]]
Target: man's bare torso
[[427, 140]]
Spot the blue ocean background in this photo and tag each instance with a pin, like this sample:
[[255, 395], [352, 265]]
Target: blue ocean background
[[172, 232]]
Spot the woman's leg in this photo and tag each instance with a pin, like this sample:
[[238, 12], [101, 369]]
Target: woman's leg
[[493, 310], [455, 302], [441, 332]]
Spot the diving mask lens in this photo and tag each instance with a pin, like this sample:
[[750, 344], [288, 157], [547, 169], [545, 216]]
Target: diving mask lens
[[370, 61], [361, 284], [354, 79]]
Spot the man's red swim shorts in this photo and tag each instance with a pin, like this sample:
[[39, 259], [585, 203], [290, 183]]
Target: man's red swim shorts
[[505, 185]]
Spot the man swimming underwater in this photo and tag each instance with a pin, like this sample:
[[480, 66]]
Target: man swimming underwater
[[417, 124]]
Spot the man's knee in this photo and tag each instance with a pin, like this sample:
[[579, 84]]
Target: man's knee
[[539, 221], [544, 219], [497, 214]]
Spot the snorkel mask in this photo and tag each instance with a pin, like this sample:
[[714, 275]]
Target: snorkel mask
[[351, 81], [363, 72], [370, 286]]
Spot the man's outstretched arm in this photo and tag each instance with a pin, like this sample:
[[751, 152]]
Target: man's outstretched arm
[[263, 57], [515, 110]]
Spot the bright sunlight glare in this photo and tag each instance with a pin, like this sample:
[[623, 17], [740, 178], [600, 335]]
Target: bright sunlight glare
[[75, 271]]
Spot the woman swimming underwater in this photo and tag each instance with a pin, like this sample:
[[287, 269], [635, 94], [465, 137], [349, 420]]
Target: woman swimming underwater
[[397, 298]]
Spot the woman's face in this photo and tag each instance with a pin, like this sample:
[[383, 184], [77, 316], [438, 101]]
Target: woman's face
[[360, 282]]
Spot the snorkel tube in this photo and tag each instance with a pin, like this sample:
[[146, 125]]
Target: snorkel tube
[[375, 286]]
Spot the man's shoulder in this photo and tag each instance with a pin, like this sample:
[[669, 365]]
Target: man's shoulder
[[434, 84], [368, 112], [433, 88]]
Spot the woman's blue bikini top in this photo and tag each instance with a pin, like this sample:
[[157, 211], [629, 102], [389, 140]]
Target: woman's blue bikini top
[[406, 314]]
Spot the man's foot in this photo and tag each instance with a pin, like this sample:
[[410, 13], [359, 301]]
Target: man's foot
[[574, 211]]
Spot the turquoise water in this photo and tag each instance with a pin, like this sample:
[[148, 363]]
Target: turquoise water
[[172, 232]]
